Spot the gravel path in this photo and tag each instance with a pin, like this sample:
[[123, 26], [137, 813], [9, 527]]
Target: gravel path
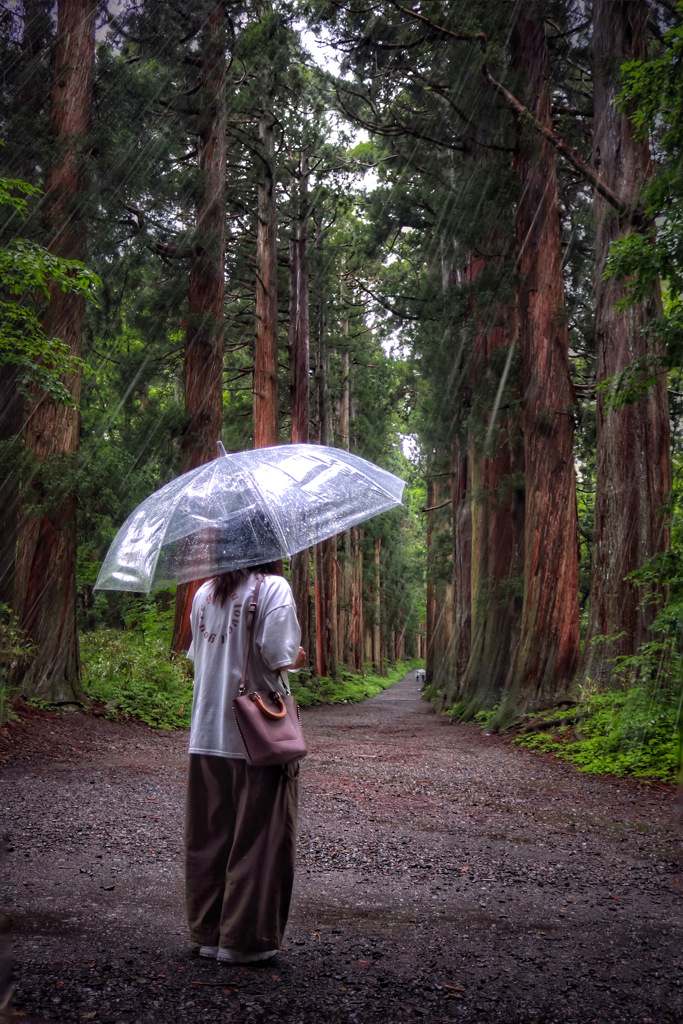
[[443, 875]]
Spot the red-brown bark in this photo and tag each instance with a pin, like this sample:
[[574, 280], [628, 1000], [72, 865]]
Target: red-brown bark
[[265, 355], [330, 636], [439, 589], [357, 599], [45, 581], [326, 632], [206, 291], [549, 643], [430, 661], [299, 329], [377, 661], [325, 583], [344, 557], [299, 358], [461, 508], [497, 523], [633, 467], [32, 98]]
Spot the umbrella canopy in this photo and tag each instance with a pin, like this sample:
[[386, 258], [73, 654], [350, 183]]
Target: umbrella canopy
[[244, 509]]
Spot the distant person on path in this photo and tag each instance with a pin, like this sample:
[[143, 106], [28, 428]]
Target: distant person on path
[[240, 825]]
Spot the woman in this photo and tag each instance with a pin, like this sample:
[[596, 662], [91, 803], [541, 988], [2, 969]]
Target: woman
[[240, 825]]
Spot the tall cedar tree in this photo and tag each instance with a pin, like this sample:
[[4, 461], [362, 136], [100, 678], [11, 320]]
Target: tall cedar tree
[[633, 464], [206, 292], [266, 426], [45, 583], [29, 68], [497, 514], [299, 361], [411, 54], [548, 650]]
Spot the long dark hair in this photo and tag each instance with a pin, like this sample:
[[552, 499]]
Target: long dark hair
[[226, 582]]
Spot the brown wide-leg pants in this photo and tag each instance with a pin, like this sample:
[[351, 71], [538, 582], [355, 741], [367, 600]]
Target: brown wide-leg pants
[[240, 835]]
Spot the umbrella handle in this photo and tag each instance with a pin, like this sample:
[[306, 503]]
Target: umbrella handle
[[268, 712]]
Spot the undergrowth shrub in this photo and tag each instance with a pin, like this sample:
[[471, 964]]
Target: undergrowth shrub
[[635, 731], [132, 674], [15, 649]]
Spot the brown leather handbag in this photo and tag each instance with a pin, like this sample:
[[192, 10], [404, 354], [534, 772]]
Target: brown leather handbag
[[269, 722]]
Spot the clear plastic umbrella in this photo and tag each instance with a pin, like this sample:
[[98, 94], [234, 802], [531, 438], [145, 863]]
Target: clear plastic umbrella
[[243, 509]]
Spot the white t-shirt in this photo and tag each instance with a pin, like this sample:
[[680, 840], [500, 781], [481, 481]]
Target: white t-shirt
[[219, 636]]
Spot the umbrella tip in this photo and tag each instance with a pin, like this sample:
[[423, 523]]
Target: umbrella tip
[[221, 449]]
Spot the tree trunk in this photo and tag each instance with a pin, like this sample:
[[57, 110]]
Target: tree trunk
[[440, 628], [344, 559], [11, 423], [318, 577], [377, 664], [549, 643], [497, 522], [206, 291], [299, 327], [461, 506], [330, 635], [37, 33], [430, 665], [45, 582], [439, 593], [33, 87], [356, 581], [633, 467], [299, 358], [357, 600], [265, 357], [325, 552]]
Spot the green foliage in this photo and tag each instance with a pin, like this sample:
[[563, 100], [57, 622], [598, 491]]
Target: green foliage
[[26, 271], [132, 675], [653, 97], [624, 732], [130, 671], [637, 729], [13, 192], [350, 688], [633, 383], [15, 649]]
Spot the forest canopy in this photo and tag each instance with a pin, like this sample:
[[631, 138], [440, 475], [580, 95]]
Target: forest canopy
[[446, 237]]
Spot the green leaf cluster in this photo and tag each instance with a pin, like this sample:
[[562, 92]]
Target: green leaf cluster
[[130, 673], [15, 649], [653, 98], [623, 732], [27, 271]]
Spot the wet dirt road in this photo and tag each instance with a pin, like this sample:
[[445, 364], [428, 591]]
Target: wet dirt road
[[442, 875]]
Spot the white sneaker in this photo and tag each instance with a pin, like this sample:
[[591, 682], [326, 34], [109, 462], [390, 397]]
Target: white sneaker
[[233, 956], [210, 952]]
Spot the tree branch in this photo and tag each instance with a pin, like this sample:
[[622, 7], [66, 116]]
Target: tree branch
[[479, 37], [391, 130], [432, 508], [574, 159]]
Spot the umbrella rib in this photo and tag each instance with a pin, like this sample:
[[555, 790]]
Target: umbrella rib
[[374, 483], [168, 523], [281, 537], [359, 472]]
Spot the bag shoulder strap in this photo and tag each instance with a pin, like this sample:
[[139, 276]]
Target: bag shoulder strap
[[251, 614]]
